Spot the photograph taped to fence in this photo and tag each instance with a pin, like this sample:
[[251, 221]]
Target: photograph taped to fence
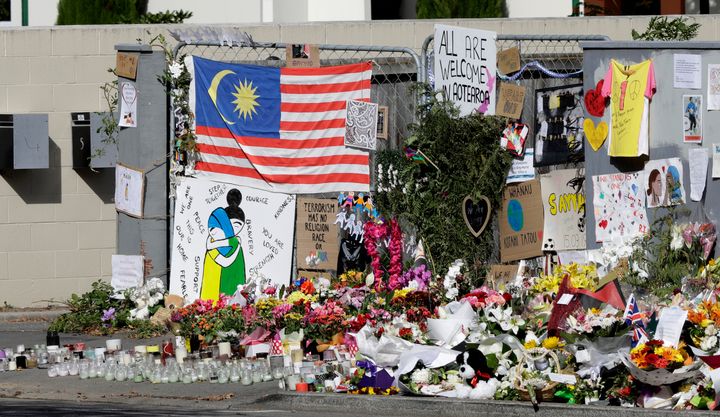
[[559, 120]]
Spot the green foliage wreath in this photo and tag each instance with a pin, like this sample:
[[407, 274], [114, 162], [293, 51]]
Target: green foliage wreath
[[469, 161]]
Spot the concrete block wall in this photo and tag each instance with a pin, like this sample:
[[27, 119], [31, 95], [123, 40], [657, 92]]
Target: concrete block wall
[[57, 226]]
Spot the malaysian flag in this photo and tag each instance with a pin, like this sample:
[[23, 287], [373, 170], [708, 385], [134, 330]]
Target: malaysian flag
[[278, 129]]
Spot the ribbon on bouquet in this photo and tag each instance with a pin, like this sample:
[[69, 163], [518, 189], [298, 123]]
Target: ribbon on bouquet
[[258, 336]]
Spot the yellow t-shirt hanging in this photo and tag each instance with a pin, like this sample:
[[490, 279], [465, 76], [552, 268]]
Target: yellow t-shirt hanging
[[630, 88]]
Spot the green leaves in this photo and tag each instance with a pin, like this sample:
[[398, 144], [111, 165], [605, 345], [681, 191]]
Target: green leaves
[[470, 161], [662, 29]]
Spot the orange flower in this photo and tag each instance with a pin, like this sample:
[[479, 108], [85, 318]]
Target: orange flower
[[307, 287], [696, 316]]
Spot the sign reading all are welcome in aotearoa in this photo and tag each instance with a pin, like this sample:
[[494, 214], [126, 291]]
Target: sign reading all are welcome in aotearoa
[[465, 65]]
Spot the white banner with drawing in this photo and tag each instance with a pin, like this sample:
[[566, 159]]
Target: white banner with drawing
[[225, 235]]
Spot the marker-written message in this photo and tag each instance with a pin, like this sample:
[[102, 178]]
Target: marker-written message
[[465, 66], [256, 224]]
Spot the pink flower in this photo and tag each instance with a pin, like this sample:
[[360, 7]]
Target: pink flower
[[270, 290]]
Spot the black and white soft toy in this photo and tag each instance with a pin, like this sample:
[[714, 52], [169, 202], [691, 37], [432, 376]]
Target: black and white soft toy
[[481, 382]]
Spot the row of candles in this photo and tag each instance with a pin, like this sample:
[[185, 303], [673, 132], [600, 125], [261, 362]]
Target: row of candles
[[170, 363]]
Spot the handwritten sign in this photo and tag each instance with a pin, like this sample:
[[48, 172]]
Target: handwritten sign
[[465, 67], [302, 56], [521, 222], [127, 271], [508, 60], [214, 221], [511, 100], [501, 275], [564, 211], [619, 206], [126, 64], [316, 233]]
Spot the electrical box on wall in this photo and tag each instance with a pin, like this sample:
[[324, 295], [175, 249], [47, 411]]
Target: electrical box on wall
[[24, 141], [91, 149]]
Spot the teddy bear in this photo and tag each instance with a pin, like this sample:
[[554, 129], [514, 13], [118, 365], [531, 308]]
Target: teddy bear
[[481, 382]]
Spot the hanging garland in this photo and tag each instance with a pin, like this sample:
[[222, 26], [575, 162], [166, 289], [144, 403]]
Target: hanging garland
[[376, 232]]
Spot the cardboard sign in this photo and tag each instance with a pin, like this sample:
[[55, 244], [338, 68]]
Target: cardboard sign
[[317, 234], [311, 275], [465, 68], [126, 64], [501, 275], [564, 211], [511, 100], [302, 56], [508, 61], [521, 222], [226, 235]]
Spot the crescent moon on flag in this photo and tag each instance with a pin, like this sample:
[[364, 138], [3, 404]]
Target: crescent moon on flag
[[212, 91]]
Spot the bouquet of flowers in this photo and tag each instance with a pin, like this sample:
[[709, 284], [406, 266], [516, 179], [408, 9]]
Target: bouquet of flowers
[[207, 318], [594, 322], [352, 279], [581, 277], [324, 321], [703, 330], [655, 355]]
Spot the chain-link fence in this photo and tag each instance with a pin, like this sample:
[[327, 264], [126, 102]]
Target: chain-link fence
[[548, 61], [395, 70]]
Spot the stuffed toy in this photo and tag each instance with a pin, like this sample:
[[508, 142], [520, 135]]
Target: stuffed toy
[[481, 382]]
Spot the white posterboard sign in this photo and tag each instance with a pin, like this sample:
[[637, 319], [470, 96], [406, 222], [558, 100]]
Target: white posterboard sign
[[129, 190], [127, 271], [257, 225], [465, 67]]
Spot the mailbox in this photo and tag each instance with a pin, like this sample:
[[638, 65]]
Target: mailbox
[[6, 141], [91, 148], [24, 141]]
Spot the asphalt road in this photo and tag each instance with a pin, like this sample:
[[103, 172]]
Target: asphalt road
[[14, 407]]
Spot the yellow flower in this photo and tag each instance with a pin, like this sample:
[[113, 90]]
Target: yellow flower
[[530, 344], [401, 293], [553, 342]]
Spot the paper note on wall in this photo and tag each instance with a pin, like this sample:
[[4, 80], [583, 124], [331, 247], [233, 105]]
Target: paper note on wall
[[698, 172]]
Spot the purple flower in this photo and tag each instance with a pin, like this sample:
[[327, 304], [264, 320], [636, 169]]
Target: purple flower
[[108, 314]]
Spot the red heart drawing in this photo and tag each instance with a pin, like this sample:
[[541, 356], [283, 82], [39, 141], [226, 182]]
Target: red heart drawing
[[594, 101], [603, 224]]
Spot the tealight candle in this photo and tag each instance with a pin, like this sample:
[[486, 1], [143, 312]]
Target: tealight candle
[[302, 387]]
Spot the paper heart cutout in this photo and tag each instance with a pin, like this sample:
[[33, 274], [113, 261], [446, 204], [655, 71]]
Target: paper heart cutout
[[594, 101], [476, 216], [595, 134]]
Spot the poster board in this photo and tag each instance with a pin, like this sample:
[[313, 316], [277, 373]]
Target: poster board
[[129, 190], [265, 239], [316, 233], [559, 124], [665, 116], [564, 211], [501, 275], [521, 221], [465, 67], [127, 271], [126, 64]]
